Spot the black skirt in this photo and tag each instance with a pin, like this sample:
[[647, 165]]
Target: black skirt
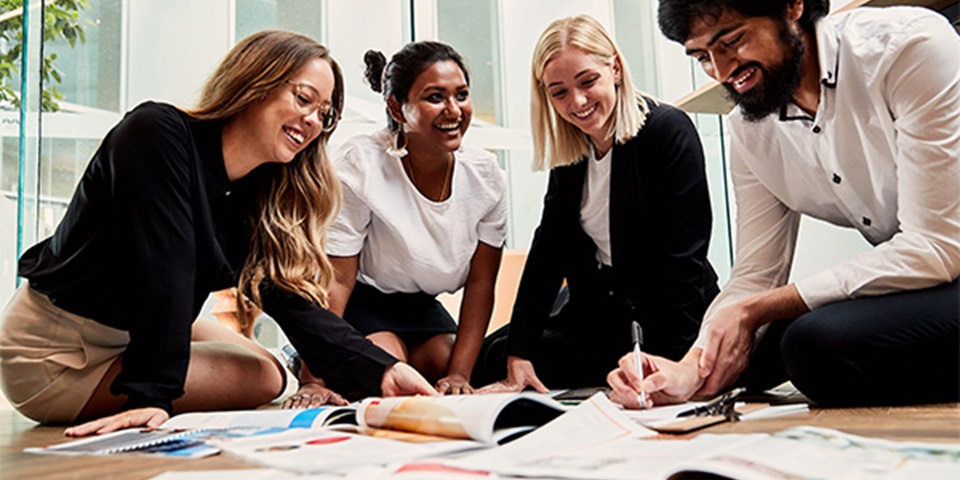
[[409, 315]]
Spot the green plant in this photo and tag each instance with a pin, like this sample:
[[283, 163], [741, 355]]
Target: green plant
[[61, 21]]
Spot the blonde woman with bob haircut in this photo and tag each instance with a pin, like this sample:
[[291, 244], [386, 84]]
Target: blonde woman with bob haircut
[[176, 204], [626, 222]]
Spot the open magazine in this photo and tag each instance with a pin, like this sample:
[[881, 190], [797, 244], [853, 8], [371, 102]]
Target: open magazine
[[190, 434], [429, 427], [185, 444], [272, 418], [597, 441], [789, 454], [438, 426], [491, 418]]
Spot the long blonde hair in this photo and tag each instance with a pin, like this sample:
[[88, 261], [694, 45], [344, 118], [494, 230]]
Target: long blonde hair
[[295, 206], [555, 141]]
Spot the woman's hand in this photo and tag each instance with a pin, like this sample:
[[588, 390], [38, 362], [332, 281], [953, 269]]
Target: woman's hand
[[520, 375], [454, 384], [312, 395], [665, 381], [402, 379], [149, 417]]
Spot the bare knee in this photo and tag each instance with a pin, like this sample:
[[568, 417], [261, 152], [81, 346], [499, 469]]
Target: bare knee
[[271, 378], [391, 343], [432, 356], [224, 375]]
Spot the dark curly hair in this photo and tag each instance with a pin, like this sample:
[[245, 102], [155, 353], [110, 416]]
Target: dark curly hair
[[397, 76], [674, 16]]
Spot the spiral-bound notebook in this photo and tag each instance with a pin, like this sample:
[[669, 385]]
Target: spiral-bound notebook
[[177, 443]]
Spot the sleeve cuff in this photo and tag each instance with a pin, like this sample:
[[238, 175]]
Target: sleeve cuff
[[138, 401], [367, 370], [820, 289], [494, 239], [342, 249]]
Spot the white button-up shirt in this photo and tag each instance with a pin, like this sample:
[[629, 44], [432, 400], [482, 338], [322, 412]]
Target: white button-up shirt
[[882, 155]]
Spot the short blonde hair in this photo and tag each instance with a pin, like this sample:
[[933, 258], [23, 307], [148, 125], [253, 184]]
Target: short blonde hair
[[556, 142]]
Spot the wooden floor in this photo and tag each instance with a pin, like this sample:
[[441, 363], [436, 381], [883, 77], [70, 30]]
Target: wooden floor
[[932, 423]]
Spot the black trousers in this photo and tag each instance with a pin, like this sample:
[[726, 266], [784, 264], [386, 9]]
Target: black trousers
[[901, 348], [575, 350]]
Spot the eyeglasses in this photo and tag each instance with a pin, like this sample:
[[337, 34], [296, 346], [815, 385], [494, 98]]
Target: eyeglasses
[[307, 100]]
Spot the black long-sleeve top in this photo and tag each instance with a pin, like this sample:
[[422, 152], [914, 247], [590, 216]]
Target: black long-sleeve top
[[660, 222], [153, 227]]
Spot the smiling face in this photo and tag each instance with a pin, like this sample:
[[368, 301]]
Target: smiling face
[[277, 127], [759, 60], [438, 110], [582, 89]]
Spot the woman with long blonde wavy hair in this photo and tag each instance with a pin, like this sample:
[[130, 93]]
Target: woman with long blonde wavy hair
[[176, 204]]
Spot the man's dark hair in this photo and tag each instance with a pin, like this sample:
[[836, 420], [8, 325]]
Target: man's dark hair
[[674, 16]]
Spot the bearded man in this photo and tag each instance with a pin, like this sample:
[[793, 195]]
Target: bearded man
[[853, 119]]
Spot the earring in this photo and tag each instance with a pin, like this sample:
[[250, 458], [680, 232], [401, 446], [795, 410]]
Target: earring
[[398, 144]]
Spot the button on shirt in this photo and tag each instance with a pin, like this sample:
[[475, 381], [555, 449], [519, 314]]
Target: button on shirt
[[881, 154]]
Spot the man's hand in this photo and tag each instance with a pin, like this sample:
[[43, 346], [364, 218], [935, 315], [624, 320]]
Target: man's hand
[[520, 375], [149, 417], [665, 381], [732, 332], [402, 379], [730, 339]]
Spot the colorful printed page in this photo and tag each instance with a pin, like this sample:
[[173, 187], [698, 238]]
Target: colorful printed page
[[487, 418]]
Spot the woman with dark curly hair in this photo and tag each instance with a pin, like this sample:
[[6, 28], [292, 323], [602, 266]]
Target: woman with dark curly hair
[[422, 214]]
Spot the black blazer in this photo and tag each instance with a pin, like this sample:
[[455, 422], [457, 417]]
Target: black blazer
[[660, 221]]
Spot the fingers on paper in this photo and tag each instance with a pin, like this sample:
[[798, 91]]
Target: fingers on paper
[[141, 417], [503, 386]]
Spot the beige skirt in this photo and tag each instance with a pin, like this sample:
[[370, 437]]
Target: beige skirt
[[51, 360]]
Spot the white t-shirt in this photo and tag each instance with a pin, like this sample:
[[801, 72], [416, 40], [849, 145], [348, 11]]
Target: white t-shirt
[[595, 205], [407, 242]]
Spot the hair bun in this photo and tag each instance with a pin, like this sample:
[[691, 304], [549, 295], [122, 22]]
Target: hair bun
[[375, 61]]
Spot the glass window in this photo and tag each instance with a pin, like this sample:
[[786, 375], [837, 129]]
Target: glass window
[[89, 86], [635, 30], [129, 48], [301, 16], [470, 26], [90, 69]]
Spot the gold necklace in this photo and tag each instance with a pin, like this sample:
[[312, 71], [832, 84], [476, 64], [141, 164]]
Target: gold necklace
[[444, 189]]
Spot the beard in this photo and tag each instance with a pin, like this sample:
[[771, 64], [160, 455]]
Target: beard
[[780, 81]]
